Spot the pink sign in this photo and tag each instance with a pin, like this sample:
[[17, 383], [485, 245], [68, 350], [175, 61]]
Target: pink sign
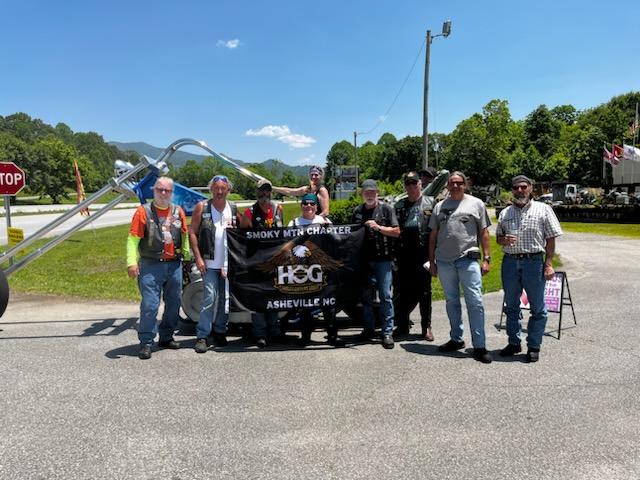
[[552, 294]]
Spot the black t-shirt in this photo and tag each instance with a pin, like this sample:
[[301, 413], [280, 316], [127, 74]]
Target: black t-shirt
[[376, 246]]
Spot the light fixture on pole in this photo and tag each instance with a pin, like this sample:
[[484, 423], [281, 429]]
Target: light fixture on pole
[[446, 31]]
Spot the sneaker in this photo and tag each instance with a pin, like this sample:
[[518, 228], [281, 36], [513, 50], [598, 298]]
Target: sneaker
[[533, 355], [481, 355], [451, 346], [145, 352], [170, 344], [428, 335], [387, 342], [201, 345], [510, 350], [261, 342], [220, 340]]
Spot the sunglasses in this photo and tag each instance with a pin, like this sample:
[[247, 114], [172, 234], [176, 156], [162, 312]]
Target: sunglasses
[[520, 187], [410, 182], [220, 178], [163, 190], [456, 183], [308, 204]]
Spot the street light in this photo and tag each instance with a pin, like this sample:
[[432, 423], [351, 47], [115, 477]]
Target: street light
[[446, 31]]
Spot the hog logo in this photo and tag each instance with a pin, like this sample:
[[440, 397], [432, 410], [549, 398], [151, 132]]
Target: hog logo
[[300, 269]]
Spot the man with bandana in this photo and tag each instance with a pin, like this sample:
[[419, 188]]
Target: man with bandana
[[208, 240], [156, 245], [527, 231]]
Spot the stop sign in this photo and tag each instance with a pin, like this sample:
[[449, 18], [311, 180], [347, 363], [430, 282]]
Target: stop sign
[[11, 178]]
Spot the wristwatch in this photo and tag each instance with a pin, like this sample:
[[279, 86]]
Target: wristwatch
[[487, 258]]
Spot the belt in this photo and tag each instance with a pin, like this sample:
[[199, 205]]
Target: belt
[[524, 255]]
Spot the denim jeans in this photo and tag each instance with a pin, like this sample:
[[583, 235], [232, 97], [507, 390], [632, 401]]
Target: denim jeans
[[262, 321], [381, 271], [159, 279], [213, 305], [527, 273], [466, 272]]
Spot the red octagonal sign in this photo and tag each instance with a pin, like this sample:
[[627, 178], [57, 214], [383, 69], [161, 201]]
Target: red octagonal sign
[[11, 178]]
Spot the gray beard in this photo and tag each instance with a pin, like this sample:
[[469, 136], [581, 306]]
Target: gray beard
[[521, 202]]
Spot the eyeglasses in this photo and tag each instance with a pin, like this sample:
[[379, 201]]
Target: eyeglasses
[[308, 204], [163, 190], [220, 178], [519, 187], [459, 184]]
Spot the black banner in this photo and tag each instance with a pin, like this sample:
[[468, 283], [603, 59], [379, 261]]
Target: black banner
[[310, 266]]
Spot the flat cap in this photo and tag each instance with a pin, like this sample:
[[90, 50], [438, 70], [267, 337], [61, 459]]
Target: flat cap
[[519, 179]]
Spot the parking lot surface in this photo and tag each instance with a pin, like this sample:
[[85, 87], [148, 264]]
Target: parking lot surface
[[76, 403]]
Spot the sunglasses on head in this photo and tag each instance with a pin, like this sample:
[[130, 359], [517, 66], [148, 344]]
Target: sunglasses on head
[[163, 190], [220, 178], [308, 204]]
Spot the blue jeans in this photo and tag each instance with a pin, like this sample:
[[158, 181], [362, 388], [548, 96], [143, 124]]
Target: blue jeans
[[466, 272], [263, 320], [159, 279], [381, 271], [527, 273], [213, 300]]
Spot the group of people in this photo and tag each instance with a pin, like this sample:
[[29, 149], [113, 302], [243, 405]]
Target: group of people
[[420, 238]]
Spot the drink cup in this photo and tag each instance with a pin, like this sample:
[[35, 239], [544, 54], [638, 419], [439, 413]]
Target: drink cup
[[512, 236]]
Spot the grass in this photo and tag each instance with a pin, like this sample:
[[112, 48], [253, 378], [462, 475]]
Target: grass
[[613, 229]]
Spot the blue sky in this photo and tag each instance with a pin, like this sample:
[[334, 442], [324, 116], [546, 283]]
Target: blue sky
[[287, 79]]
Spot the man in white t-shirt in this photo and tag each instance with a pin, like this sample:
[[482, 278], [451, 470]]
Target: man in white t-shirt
[[209, 245], [308, 206]]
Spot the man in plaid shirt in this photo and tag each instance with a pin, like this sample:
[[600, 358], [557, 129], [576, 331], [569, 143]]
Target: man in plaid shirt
[[527, 231]]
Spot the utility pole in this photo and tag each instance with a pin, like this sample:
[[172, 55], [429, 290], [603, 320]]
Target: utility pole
[[355, 156], [425, 122], [446, 31]]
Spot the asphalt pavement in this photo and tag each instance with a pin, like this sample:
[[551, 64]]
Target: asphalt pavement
[[76, 403]]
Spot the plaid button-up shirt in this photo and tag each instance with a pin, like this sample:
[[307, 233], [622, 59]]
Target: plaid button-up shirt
[[534, 224]]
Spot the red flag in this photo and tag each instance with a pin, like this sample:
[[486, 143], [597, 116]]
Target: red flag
[[80, 188], [618, 151], [610, 158]]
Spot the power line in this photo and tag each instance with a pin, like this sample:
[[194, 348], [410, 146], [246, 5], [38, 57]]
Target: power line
[[384, 117]]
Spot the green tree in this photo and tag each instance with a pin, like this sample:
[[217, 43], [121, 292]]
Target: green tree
[[52, 171], [401, 157], [542, 130], [341, 153], [480, 146]]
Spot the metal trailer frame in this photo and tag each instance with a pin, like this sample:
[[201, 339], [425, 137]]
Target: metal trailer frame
[[122, 184]]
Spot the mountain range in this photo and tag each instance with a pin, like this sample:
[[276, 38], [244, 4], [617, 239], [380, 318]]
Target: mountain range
[[179, 158]]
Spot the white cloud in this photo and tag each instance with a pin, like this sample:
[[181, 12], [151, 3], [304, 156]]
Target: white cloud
[[230, 44], [283, 134]]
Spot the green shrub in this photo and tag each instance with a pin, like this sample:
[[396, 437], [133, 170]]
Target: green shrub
[[340, 211]]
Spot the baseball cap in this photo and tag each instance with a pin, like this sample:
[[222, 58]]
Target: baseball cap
[[310, 197], [263, 184], [411, 177], [369, 184]]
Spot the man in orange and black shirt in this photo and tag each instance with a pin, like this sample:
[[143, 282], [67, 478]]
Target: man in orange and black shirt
[[156, 245]]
